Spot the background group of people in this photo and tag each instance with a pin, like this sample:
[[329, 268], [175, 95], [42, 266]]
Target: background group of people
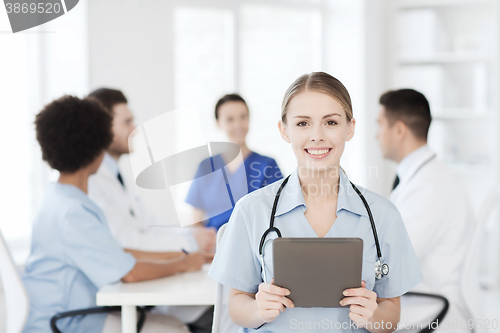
[[93, 229]]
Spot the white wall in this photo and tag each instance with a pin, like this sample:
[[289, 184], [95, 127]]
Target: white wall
[[130, 48], [344, 58], [355, 53], [36, 67], [376, 83]]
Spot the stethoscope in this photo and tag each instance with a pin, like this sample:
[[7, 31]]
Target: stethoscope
[[381, 269]]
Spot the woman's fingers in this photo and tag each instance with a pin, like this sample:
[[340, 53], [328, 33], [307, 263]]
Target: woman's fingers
[[264, 295], [272, 300], [279, 299], [271, 305], [360, 310], [363, 301], [362, 291], [272, 289]]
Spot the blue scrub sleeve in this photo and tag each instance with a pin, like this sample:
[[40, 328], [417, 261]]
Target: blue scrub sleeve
[[194, 194], [235, 264], [397, 252], [272, 173], [89, 245]]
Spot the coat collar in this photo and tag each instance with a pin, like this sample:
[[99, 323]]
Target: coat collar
[[110, 164], [412, 162]]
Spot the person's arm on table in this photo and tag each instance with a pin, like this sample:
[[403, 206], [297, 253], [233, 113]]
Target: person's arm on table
[[162, 256], [144, 255], [143, 271]]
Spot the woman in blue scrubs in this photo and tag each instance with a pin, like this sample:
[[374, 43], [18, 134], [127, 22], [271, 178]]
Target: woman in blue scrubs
[[232, 115], [318, 201]]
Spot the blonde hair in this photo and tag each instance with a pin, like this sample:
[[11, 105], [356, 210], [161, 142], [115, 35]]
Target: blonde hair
[[320, 82]]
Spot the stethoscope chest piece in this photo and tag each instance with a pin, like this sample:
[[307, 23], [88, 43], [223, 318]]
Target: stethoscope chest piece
[[381, 269]]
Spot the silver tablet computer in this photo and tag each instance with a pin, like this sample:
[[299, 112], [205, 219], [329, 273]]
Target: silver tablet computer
[[317, 270]]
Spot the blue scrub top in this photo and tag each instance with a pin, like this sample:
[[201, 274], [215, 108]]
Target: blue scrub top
[[207, 193], [236, 263], [73, 254]]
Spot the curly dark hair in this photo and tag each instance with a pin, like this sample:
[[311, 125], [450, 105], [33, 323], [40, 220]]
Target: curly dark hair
[[73, 132]]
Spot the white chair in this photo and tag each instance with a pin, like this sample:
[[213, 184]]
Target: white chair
[[471, 291], [16, 297], [222, 322]]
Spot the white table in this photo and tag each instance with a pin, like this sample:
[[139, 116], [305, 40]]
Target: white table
[[193, 288]]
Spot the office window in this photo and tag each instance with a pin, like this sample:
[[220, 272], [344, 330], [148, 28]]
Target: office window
[[203, 62], [15, 136], [277, 45], [245, 48], [36, 67]]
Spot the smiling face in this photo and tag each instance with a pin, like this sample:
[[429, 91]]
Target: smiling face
[[317, 127], [234, 120]]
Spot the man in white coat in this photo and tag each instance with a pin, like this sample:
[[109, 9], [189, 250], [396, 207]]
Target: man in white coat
[[128, 219], [434, 206]]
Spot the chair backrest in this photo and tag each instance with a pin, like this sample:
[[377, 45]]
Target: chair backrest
[[16, 296], [470, 282], [222, 322]]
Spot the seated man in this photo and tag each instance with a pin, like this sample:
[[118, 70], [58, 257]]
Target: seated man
[[433, 205], [73, 253], [129, 220]]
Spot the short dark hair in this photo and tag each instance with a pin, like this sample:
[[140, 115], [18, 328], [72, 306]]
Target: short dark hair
[[73, 132], [410, 107], [228, 98], [109, 97]]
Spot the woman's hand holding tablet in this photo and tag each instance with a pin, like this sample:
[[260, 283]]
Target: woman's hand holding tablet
[[363, 304], [271, 301]]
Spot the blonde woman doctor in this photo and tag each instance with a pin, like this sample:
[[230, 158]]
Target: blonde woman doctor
[[318, 201]]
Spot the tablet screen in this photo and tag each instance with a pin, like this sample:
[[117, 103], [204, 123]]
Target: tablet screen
[[317, 270]]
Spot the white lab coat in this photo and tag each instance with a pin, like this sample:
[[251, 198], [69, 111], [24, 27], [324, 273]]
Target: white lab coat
[[439, 221], [140, 230], [129, 220]]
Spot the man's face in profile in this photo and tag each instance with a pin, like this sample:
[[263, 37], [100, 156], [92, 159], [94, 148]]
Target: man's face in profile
[[386, 136], [123, 125]]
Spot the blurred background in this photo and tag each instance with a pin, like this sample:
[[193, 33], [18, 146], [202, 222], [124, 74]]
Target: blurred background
[[167, 54]]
